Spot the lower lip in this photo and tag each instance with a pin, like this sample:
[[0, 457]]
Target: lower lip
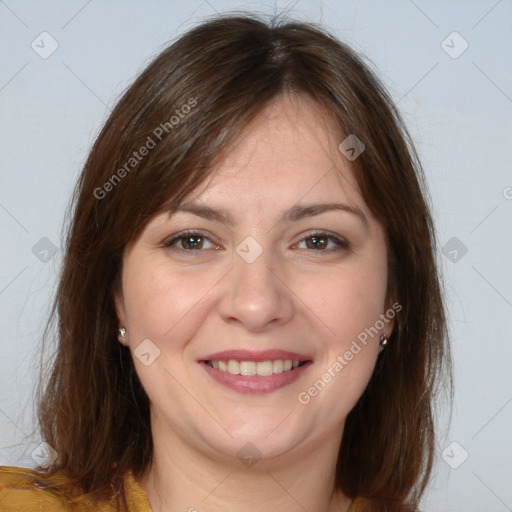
[[255, 383]]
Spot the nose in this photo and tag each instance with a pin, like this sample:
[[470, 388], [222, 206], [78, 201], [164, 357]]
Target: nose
[[256, 293]]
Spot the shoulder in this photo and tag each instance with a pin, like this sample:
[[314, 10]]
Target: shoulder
[[361, 504], [21, 490], [27, 490]]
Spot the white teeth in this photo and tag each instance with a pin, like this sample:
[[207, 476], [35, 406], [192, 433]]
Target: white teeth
[[233, 367], [277, 366], [247, 368], [260, 368], [264, 368]]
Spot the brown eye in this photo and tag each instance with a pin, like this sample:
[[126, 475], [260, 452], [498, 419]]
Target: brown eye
[[192, 242], [317, 242], [189, 241], [320, 241]]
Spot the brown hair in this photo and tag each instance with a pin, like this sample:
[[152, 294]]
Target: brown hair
[[93, 410]]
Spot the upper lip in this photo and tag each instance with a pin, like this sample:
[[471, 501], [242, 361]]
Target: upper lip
[[256, 355]]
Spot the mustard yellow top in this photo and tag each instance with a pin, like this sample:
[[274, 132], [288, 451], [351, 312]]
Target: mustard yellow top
[[20, 492]]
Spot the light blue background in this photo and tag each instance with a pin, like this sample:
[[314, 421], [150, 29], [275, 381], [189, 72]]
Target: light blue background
[[459, 112]]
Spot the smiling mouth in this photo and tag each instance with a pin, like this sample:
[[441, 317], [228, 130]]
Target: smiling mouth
[[255, 369]]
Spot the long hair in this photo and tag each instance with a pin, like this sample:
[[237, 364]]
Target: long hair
[[187, 108]]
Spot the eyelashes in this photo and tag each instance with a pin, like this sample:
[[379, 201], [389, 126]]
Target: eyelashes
[[322, 235], [193, 242], [187, 235]]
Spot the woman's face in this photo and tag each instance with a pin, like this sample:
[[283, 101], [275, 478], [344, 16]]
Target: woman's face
[[265, 275]]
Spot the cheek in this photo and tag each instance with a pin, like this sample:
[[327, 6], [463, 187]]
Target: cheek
[[347, 301], [162, 304], [348, 305]]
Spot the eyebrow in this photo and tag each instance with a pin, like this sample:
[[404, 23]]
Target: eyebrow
[[294, 214]]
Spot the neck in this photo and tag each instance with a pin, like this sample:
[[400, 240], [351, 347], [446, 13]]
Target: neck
[[183, 477]]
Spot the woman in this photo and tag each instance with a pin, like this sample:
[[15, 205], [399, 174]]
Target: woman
[[249, 310]]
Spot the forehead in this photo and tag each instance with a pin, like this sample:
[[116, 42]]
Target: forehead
[[289, 128], [289, 149]]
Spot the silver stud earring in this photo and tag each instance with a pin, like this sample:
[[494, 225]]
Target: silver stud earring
[[122, 332], [383, 341]]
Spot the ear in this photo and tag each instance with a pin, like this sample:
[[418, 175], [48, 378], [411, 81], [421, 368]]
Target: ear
[[392, 307], [390, 313], [121, 314]]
